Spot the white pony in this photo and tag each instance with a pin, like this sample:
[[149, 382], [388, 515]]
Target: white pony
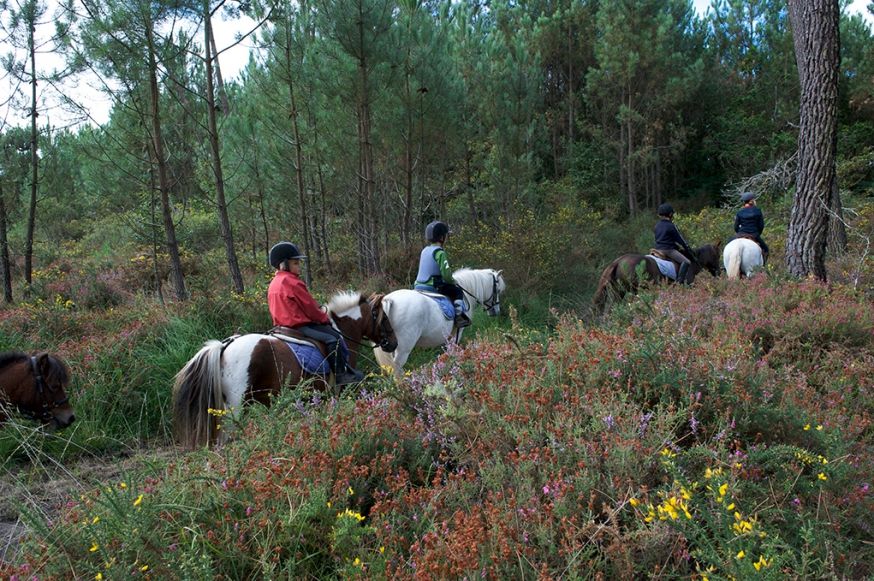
[[741, 256], [418, 321]]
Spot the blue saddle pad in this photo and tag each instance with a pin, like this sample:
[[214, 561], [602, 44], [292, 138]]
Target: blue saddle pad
[[311, 359], [666, 267], [445, 304]]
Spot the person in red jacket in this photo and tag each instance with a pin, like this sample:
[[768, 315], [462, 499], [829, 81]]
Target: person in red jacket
[[292, 305]]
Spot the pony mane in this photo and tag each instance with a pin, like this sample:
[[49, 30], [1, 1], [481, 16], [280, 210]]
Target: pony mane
[[10, 357], [344, 301]]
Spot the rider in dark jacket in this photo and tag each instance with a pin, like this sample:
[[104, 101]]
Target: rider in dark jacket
[[750, 222], [669, 240]]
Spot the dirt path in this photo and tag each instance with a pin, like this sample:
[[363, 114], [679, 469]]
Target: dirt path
[[44, 490]]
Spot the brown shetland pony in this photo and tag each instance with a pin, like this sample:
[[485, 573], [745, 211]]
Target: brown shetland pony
[[36, 386], [628, 272], [224, 375]]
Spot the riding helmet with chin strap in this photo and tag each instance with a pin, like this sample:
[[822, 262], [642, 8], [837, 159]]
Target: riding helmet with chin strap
[[436, 231], [283, 251], [666, 210]]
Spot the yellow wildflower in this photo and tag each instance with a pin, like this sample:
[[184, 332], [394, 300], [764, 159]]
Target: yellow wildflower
[[822, 476], [819, 428], [762, 562], [350, 491], [351, 514], [139, 500], [95, 520], [633, 501], [806, 427], [381, 550], [144, 568], [94, 547], [730, 507], [122, 485], [99, 576], [357, 562], [741, 554]]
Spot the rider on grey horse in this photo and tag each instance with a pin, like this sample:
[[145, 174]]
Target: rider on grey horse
[[434, 273], [749, 222]]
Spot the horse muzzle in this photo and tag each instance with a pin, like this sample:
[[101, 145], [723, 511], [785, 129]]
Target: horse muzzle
[[388, 345], [63, 418]]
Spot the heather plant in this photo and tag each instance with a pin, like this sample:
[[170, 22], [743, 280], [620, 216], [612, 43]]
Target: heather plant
[[713, 431]]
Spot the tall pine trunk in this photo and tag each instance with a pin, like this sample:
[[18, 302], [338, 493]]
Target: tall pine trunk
[[163, 173], [817, 54], [215, 149], [34, 162], [298, 158], [5, 262]]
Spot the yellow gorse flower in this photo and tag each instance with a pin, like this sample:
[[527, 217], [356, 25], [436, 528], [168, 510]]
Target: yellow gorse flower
[[351, 514], [762, 562], [139, 500], [94, 547], [99, 576], [741, 554]]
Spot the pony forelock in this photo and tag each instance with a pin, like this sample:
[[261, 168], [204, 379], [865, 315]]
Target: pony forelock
[[344, 301]]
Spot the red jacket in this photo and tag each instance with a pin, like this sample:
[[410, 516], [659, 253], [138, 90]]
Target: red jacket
[[291, 304]]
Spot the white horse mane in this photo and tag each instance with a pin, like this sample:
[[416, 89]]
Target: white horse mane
[[478, 282], [344, 301]]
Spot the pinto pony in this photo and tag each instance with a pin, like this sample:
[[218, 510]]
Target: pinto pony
[[628, 272], [224, 375], [36, 386]]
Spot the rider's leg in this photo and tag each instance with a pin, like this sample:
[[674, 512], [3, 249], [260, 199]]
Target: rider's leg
[[343, 374]]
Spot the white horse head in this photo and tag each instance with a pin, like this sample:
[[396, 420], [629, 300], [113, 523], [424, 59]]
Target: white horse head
[[741, 256], [483, 287]]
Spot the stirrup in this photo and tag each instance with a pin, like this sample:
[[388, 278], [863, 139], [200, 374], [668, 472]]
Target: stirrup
[[462, 321]]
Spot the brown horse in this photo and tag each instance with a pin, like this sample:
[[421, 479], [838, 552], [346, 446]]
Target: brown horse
[[224, 375], [628, 272], [36, 386]]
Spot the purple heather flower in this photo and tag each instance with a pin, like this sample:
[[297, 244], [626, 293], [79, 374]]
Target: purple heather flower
[[611, 423]]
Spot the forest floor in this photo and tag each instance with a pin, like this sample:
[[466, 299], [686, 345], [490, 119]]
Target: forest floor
[[43, 490]]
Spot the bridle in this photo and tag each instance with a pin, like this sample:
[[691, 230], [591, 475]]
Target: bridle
[[378, 325], [493, 301], [377, 328], [42, 391]]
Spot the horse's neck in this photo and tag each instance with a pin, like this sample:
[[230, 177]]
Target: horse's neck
[[472, 281]]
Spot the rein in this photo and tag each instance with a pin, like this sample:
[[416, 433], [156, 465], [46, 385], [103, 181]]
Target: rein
[[492, 301]]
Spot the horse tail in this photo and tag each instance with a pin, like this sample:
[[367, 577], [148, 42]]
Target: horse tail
[[197, 389], [732, 269], [599, 301]]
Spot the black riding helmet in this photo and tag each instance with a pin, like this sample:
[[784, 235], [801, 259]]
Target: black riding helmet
[[436, 231], [283, 251], [666, 210]]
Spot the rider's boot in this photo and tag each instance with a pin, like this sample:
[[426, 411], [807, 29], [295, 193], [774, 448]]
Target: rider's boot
[[343, 374], [682, 277], [461, 318]]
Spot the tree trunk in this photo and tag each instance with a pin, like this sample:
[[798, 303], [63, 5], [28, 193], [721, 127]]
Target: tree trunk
[[817, 54], [215, 148], [219, 81], [369, 226], [298, 160], [163, 179], [34, 162], [5, 262]]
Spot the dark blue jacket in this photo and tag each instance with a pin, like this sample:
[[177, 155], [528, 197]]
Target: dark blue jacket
[[749, 221], [667, 237]]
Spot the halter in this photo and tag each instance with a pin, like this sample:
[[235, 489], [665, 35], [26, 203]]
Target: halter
[[42, 390]]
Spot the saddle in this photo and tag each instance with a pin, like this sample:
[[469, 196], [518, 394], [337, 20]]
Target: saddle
[[292, 335], [753, 238]]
